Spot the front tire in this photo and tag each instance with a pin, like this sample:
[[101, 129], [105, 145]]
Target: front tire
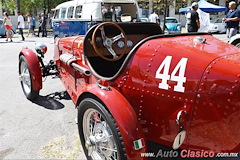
[[26, 79], [98, 131]]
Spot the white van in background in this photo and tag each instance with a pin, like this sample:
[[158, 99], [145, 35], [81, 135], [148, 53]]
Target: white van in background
[[77, 16]]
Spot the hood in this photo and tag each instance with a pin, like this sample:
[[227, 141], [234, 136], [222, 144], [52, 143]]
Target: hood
[[215, 118], [168, 70], [191, 46], [214, 66], [211, 89]]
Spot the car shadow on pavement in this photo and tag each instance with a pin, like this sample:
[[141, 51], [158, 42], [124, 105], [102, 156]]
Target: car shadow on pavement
[[51, 101]]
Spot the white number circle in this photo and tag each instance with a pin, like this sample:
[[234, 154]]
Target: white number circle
[[179, 139]]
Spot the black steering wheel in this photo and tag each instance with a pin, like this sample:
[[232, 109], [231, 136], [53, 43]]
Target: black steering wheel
[[108, 42]]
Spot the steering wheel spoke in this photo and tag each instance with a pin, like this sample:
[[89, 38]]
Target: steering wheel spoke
[[108, 42], [103, 33], [116, 38], [112, 52]]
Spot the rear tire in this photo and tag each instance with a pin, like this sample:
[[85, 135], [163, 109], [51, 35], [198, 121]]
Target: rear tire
[[26, 79], [98, 131]]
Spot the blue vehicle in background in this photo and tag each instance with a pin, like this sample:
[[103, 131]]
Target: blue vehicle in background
[[77, 16], [172, 26], [3, 32]]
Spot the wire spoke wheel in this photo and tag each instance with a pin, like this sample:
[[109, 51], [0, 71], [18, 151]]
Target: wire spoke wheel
[[98, 136], [98, 132]]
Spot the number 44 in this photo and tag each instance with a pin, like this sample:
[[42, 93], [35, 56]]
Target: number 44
[[180, 79]]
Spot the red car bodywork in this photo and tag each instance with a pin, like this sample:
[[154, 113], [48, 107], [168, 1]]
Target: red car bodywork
[[142, 109]]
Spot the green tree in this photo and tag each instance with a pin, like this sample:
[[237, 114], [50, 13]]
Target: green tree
[[31, 6], [47, 5], [158, 5], [9, 4]]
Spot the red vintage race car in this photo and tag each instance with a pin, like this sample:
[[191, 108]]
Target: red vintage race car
[[135, 87]]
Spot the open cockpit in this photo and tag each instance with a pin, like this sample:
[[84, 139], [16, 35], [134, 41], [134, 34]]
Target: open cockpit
[[109, 46]]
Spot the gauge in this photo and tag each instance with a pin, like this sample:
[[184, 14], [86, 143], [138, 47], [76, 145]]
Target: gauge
[[120, 44], [129, 43]]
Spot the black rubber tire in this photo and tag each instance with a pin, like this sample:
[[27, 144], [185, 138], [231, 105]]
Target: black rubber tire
[[90, 103], [236, 43], [33, 94]]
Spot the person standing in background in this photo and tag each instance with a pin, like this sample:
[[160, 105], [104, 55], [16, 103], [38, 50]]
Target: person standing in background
[[29, 23], [108, 14], [193, 23], [8, 24], [33, 25], [50, 17], [44, 25], [232, 20], [21, 24], [154, 18], [39, 25]]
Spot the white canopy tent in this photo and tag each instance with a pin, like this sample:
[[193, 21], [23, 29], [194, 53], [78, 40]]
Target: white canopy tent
[[204, 19], [204, 9]]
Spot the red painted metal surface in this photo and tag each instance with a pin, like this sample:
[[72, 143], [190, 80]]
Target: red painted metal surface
[[210, 96], [34, 67], [77, 84], [125, 117], [157, 109], [215, 117], [73, 80]]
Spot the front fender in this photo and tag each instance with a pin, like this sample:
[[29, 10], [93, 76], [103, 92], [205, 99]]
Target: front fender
[[125, 117], [34, 67]]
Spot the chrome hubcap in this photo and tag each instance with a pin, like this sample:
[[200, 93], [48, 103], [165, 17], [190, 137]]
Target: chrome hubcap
[[98, 136], [25, 77], [90, 145]]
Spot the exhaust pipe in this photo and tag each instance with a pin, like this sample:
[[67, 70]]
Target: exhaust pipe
[[81, 69]]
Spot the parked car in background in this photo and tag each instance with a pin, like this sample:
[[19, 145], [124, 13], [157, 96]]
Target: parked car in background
[[217, 26], [3, 31], [172, 25], [144, 19]]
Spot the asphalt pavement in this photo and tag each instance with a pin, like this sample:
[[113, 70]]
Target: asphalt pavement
[[44, 129]]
